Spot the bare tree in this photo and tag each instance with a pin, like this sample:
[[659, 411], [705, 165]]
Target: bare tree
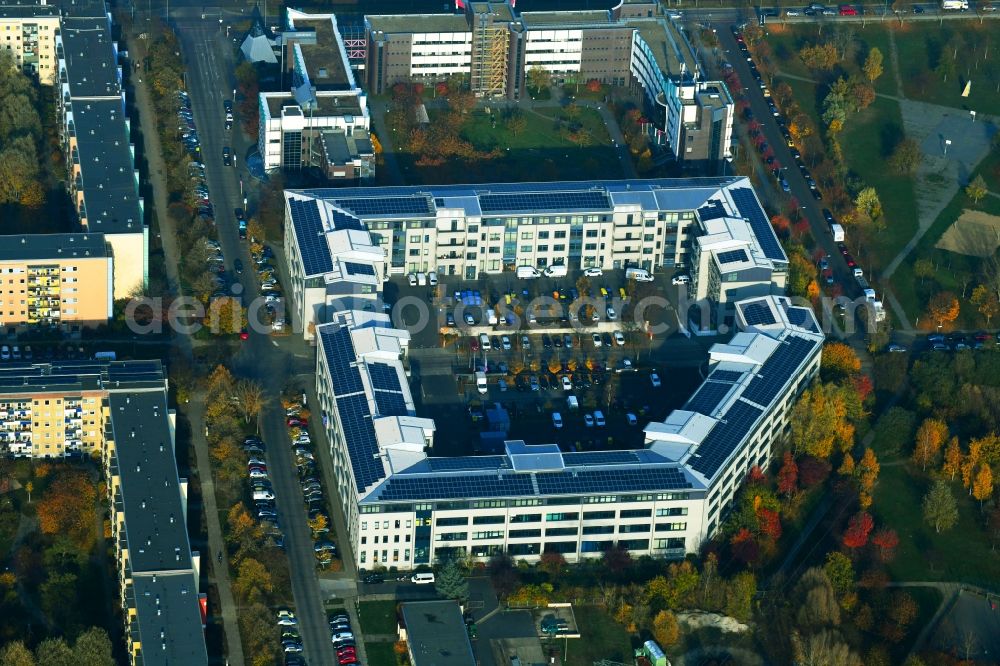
[[250, 398]]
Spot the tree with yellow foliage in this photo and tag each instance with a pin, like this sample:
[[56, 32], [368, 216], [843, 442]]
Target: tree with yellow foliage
[[971, 461], [952, 459], [943, 308], [867, 471], [819, 421], [982, 484], [666, 631], [839, 360], [930, 438]]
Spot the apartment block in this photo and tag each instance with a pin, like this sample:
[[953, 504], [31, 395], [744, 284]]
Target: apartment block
[[323, 120], [117, 413], [28, 31], [633, 44], [55, 280]]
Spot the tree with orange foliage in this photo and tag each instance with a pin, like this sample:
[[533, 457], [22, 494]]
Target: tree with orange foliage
[[858, 529], [970, 462], [982, 484], [594, 85], [867, 471], [839, 360], [930, 438], [68, 508], [943, 308], [788, 475], [952, 459], [770, 523], [885, 541]]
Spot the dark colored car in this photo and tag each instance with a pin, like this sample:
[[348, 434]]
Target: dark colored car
[[227, 156]]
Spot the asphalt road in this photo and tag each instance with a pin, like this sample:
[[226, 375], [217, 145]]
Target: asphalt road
[[209, 79]]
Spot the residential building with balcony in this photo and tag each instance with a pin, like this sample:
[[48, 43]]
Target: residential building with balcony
[[28, 31], [64, 281]]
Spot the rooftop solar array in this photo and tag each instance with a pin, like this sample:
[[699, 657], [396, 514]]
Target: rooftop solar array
[[359, 433], [593, 200], [800, 317], [354, 268], [726, 375], [724, 438], [626, 479], [387, 206], [600, 458], [712, 210], [384, 376], [758, 313], [457, 487], [340, 356], [309, 232], [732, 256], [751, 211], [468, 463], [390, 403], [777, 369], [706, 400], [342, 221]]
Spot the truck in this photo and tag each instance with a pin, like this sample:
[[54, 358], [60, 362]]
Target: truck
[[556, 270], [491, 317], [481, 382], [527, 273], [955, 5], [638, 274], [875, 306], [838, 233]]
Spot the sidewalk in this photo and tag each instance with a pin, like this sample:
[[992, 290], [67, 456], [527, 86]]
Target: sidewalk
[[217, 573]]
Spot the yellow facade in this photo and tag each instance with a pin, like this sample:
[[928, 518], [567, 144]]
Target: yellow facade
[[73, 291], [32, 42], [49, 425]]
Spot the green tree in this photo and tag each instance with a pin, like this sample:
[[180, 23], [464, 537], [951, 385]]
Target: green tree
[[905, 157], [16, 654], [840, 571], [923, 269], [873, 65], [93, 648], [986, 302], [54, 652], [253, 581], [940, 508], [977, 189], [516, 122], [538, 78], [740, 591], [450, 583], [867, 202]]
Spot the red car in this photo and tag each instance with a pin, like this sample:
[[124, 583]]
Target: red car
[[848, 10], [350, 659], [244, 335], [346, 652], [297, 423]]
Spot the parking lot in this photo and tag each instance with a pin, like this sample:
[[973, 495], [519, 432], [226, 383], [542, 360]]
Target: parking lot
[[566, 359]]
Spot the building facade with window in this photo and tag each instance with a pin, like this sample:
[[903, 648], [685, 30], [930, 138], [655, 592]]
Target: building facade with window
[[28, 32]]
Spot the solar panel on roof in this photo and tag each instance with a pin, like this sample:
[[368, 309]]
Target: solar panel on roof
[[778, 369], [354, 268], [726, 375], [417, 204], [751, 211], [309, 232], [359, 433], [706, 399], [390, 403], [712, 210], [599, 458], [539, 201], [339, 351], [732, 256], [724, 438], [384, 376], [452, 487], [626, 479], [800, 317], [343, 221], [757, 314], [468, 462]]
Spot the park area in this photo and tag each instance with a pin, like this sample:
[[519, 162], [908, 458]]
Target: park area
[[449, 138], [911, 139]]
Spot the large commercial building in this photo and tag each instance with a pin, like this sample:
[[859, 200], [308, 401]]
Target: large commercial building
[[71, 46], [117, 412], [405, 508], [61, 280], [715, 227], [633, 44], [323, 120]]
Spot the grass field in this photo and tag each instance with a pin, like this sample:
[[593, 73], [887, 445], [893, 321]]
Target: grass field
[[602, 638], [377, 617], [381, 654], [963, 553]]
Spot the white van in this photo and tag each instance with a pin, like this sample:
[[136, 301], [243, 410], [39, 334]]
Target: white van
[[422, 578], [527, 273], [572, 403], [422, 279], [556, 270], [484, 342], [262, 495], [481, 382], [432, 279], [638, 274]]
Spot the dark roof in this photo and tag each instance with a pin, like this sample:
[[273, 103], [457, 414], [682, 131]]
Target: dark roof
[[168, 619], [107, 173], [27, 377], [52, 246], [315, 253], [436, 634], [27, 10], [91, 68]]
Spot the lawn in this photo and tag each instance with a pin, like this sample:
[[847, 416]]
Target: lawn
[[963, 553], [380, 653], [540, 152], [920, 49], [377, 617], [602, 638]]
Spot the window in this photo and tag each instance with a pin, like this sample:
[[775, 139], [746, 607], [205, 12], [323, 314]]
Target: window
[[526, 518], [598, 515], [493, 534], [523, 534], [415, 238], [543, 248], [553, 517], [452, 536], [543, 235], [451, 521], [628, 529], [673, 511], [561, 531], [636, 513], [598, 529], [489, 520], [560, 234], [671, 527], [526, 235]]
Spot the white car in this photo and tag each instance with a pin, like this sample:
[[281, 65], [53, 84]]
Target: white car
[[793, 12], [257, 474], [654, 379], [630, 419], [593, 272], [432, 279], [5, 353], [505, 342], [567, 384], [557, 420], [597, 339], [680, 279], [287, 618], [412, 279], [343, 636], [611, 313], [619, 339], [588, 420]]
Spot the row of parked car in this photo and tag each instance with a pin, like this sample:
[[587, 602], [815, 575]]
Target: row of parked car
[[312, 489], [762, 146], [343, 639], [263, 492]]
